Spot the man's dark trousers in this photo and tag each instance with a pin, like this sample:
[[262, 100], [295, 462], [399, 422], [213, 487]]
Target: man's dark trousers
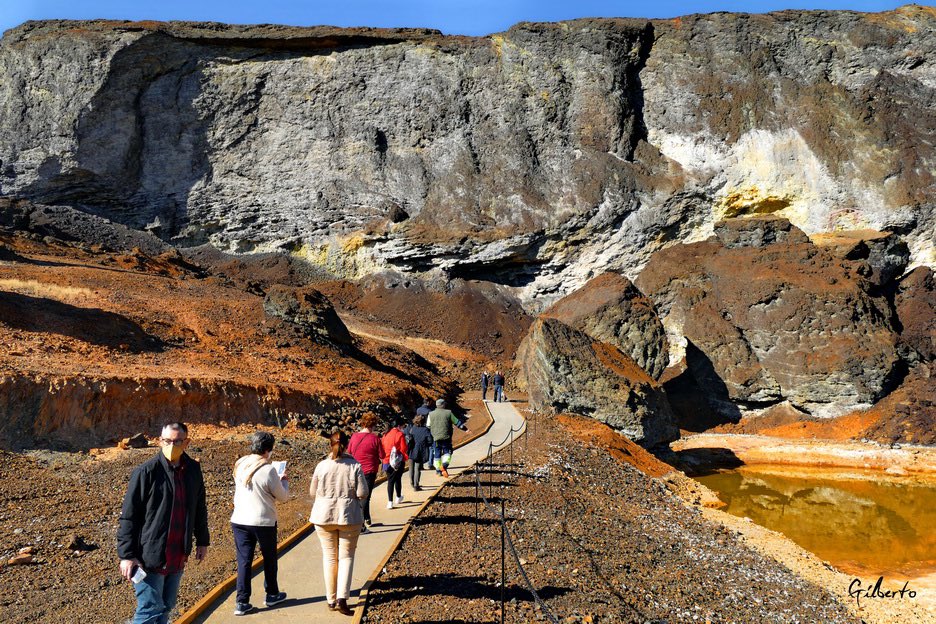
[[246, 539]]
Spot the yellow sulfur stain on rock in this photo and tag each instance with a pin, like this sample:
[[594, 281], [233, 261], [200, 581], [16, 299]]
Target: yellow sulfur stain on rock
[[497, 42], [352, 243], [750, 201], [347, 258]]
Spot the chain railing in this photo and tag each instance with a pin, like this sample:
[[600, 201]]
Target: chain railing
[[506, 540]]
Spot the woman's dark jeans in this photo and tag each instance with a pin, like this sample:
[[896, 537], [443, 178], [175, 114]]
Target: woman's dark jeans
[[394, 481], [414, 467], [246, 539], [371, 478]]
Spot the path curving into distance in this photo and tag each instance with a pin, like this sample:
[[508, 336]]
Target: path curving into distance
[[300, 567]]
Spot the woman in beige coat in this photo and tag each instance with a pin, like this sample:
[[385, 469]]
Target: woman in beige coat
[[338, 487]]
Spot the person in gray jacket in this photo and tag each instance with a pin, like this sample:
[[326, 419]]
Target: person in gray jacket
[[338, 487], [257, 488]]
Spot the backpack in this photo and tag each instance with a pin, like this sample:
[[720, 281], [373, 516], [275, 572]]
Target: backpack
[[408, 437], [396, 458]]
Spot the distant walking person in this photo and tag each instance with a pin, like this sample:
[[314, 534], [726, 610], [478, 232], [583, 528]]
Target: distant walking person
[[365, 448], [424, 411], [498, 381], [418, 442], [484, 385], [393, 455], [441, 422], [338, 487], [257, 488], [164, 511]]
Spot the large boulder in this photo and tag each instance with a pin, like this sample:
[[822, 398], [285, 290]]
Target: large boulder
[[610, 309], [915, 302], [568, 371], [765, 316], [309, 311]]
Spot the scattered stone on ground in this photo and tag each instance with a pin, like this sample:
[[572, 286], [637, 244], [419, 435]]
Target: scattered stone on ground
[[618, 547], [135, 441], [77, 543], [21, 559]]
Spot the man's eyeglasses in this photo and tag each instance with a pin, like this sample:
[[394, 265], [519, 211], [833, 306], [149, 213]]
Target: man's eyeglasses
[[173, 442]]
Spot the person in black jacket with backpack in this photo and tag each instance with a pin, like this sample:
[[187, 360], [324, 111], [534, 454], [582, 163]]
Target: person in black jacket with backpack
[[164, 511], [419, 441]]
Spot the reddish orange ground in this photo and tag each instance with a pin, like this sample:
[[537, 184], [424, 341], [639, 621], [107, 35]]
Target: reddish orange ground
[[112, 322], [620, 447]]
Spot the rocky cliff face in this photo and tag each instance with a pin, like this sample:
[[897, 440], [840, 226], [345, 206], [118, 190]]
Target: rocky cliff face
[[535, 158]]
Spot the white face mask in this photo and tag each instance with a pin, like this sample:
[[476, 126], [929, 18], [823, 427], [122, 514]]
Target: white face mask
[[270, 456]]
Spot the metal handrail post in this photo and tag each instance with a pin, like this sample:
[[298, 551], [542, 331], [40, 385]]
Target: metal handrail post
[[512, 472], [503, 560], [477, 505]]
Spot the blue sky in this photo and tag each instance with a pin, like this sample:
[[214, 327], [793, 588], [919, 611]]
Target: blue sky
[[450, 16]]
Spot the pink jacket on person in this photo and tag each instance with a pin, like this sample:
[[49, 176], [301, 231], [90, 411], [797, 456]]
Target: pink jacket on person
[[365, 447]]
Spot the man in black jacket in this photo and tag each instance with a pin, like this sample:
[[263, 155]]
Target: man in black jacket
[[164, 508]]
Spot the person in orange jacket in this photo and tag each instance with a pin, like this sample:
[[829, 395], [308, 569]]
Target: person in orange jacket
[[393, 456]]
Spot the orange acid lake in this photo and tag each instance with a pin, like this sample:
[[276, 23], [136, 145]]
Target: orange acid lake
[[867, 524]]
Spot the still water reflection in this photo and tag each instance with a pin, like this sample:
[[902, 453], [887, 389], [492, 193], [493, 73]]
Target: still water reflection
[[858, 523]]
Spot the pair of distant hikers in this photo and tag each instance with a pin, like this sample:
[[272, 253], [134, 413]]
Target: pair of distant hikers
[[498, 381]]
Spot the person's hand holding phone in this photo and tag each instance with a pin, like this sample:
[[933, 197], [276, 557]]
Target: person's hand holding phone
[[128, 567]]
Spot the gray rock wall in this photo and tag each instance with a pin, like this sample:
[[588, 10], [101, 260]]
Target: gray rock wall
[[535, 158]]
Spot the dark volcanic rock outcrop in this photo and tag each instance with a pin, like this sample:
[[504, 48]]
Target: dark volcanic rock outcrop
[[310, 311], [774, 321], [610, 309], [533, 158], [567, 371], [885, 253], [916, 308]]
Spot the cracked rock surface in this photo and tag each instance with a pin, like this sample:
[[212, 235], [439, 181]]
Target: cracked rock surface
[[535, 158], [767, 318]]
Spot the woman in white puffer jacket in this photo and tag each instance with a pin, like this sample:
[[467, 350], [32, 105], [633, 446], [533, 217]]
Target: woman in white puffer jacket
[[257, 488]]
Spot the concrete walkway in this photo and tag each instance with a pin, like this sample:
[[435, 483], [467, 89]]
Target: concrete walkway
[[300, 568]]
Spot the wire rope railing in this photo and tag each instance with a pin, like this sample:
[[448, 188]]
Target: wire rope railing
[[506, 539]]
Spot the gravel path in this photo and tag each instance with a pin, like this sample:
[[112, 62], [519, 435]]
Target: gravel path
[[600, 541]]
